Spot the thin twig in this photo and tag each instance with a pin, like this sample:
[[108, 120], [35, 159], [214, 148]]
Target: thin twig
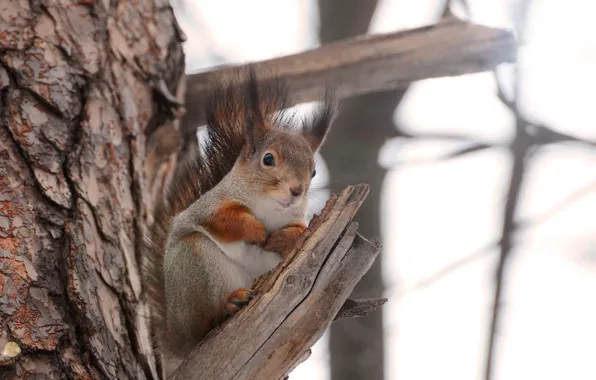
[[519, 151], [520, 225], [453, 154], [541, 134], [454, 266], [568, 200]]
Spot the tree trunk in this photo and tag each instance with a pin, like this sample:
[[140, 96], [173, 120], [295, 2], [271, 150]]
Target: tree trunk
[[366, 122], [81, 84], [356, 345]]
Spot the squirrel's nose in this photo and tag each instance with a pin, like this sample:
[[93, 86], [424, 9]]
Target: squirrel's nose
[[296, 190]]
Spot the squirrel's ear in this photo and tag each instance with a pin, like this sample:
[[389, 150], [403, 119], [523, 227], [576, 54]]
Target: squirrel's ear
[[316, 130], [256, 127]]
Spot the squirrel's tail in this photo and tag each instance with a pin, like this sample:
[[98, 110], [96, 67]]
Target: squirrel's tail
[[226, 123]]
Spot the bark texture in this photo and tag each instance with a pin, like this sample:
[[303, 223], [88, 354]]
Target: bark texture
[[79, 89]]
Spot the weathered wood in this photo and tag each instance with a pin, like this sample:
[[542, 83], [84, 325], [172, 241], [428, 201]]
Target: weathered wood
[[371, 63], [295, 304], [359, 308], [300, 360]]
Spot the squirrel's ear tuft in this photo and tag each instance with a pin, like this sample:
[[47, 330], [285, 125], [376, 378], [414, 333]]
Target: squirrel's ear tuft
[[316, 129], [256, 126]]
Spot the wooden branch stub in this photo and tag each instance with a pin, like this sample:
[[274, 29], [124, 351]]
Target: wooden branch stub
[[300, 360], [359, 308], [295, 303], [371, 63]]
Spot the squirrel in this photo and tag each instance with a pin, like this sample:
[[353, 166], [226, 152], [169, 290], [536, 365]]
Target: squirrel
[[231, 215]]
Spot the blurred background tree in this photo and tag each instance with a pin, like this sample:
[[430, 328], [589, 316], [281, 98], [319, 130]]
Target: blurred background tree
[[363, 125]]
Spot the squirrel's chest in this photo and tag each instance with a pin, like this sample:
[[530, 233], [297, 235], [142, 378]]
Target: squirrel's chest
[[275, 218], [252, 259]]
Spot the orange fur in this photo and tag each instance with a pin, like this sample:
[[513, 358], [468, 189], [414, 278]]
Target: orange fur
[[233, 221], [232, 304], [283, 241]]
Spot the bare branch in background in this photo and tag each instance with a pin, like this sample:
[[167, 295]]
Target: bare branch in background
[[544, 135], [453, 154], [527, 135], [520, 225], [588, 189], [372, 63], [454, 266], [436, 136], [471, 148], [541, 134], [519, 151]]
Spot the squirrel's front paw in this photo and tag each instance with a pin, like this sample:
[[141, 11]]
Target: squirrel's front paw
[[283, 241], [256, 233], [234, 302]]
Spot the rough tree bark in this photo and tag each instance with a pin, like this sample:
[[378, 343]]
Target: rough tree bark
[[79, 88]]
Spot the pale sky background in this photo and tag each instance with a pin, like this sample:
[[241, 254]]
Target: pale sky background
[[437, 213]]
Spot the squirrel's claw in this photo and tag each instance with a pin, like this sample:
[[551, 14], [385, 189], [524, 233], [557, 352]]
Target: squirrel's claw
[[234, 302]]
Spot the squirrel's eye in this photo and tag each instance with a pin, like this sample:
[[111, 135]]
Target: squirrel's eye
[[268, 160], [314, 173]]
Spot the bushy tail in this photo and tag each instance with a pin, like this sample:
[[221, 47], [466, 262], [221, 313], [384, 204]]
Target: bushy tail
[[226, 124]]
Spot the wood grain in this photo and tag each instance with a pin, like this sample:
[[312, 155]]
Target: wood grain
[[359, 308]]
